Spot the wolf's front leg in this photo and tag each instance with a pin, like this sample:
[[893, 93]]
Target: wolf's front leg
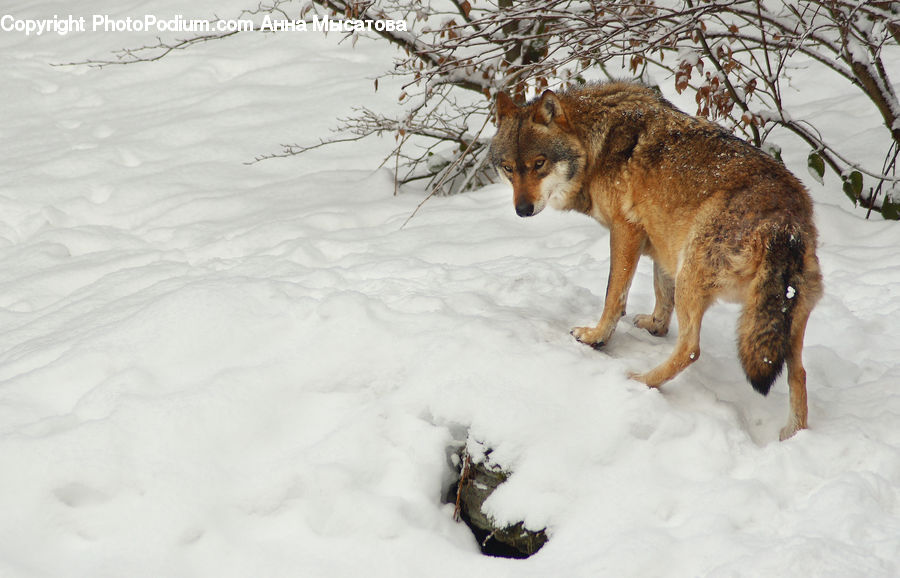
[[626, 241]]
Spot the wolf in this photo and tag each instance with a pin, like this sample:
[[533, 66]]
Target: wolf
[[719, 218]]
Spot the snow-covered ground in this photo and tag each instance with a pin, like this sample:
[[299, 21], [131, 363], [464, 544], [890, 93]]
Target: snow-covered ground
[[216, 369]]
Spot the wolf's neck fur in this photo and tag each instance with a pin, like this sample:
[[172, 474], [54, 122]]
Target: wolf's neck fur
[[581, 201]]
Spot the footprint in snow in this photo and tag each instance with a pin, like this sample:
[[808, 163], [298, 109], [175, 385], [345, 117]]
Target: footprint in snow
[[78, 495]]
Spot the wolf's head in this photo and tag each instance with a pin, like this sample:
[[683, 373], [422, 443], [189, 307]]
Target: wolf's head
[[537, 152]]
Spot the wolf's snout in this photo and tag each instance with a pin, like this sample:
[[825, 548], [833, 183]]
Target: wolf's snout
[[525, 209]]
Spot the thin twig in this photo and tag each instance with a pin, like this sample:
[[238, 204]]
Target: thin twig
[[464, 474], [449, 170]]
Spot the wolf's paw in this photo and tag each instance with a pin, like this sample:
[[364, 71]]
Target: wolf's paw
[[649, 378], [651, 324], [788, 431], [589, 336]]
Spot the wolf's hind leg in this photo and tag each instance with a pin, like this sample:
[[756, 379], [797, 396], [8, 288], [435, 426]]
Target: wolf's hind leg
[[796, 375], [664, 287], [692, 298]]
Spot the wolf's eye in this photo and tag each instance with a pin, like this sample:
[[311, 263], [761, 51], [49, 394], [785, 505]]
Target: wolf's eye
[[507, 168], [538, 164]]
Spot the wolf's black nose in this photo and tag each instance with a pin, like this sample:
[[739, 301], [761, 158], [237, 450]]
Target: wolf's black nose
[[525, 209]]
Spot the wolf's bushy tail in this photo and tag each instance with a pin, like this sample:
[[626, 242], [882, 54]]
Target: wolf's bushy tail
[[764, 330]]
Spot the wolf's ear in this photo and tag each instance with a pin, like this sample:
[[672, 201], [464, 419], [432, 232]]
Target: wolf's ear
[[505, 107], [548, 109]]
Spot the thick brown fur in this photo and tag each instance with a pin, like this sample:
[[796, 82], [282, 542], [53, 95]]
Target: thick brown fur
[[719, 218]]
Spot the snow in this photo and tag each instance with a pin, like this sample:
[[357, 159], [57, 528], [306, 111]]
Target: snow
[[209, 368]]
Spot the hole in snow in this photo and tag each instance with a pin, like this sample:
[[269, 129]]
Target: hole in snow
[[476, 478]]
